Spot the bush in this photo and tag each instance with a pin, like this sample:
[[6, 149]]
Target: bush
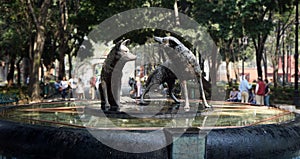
[[282, 95]]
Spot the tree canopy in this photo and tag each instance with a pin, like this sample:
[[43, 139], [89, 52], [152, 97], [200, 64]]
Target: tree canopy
[[49, 30]]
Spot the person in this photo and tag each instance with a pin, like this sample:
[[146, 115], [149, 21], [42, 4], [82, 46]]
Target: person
[[57, 86], [244, 88], [27, 80], [252, 97], [267, 93], [64, 87], [80, 89], [139, 87], [132, 84], [98, 84], [233, 96], [92, 87], [46, 87], [239, 97], [260, 91], [72, 85]]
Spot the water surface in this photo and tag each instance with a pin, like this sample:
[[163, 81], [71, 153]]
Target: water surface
[[154, 115]]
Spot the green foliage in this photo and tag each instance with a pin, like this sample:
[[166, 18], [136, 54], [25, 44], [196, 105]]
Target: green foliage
[[13, 34], [20, 92], [227, 21], [282, 95]]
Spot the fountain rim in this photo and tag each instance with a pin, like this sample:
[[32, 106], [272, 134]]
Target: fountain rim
[[58, 125]]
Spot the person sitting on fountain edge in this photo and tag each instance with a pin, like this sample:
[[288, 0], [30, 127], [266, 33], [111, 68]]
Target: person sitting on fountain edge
[[233, 96]]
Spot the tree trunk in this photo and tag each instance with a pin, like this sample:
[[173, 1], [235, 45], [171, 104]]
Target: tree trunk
[[283, 63], [275, 60], [288, 64], [236, 70], [227, 72], [214, 66], [34, 83], [39, 20], [259, 53], [70, 65], [61, 72], [19, 71], [259, 49], [63, 38], [10, 75], [265, 61]]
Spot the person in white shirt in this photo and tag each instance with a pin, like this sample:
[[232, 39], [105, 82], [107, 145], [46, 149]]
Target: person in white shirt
[[80, 89], [64, 86], [244, 89], [72, 84]]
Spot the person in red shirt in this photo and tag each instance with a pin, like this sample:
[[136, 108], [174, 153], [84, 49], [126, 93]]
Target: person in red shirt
[[260, 92], [92, 87]]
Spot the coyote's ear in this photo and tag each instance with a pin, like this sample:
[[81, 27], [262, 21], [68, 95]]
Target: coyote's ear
[[172, 43], [158, 39], [126, 42], [118, 44]]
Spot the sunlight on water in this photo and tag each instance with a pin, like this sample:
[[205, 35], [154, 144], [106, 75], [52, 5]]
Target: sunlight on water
[[72, 114]]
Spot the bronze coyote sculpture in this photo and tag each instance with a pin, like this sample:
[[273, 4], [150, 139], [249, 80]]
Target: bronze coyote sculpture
[[184, 67], [111, 75]]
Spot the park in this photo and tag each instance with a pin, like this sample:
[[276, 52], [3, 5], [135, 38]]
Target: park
[[149, 79]]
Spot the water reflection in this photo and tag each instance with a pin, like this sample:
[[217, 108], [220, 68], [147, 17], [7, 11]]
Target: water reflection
[[73, 114]]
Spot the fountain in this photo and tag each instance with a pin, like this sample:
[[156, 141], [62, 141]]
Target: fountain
[[122, 128], [161, 129], [72, 130]]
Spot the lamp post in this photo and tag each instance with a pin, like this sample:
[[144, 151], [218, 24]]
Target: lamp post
[[296, 56]]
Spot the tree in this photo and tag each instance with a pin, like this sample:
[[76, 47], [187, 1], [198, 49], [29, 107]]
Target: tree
[[284, 21], [63, 36], [258, 17], [15, 34], [222, 18], [39, 15]]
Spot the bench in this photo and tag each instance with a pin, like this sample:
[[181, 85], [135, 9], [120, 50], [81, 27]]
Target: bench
[[8, 98]]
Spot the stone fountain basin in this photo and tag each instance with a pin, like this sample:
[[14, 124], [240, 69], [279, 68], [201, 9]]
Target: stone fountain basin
[[23, 140]]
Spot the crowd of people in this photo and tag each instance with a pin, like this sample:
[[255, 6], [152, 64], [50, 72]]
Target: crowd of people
[[75, 88], [246, 93]]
